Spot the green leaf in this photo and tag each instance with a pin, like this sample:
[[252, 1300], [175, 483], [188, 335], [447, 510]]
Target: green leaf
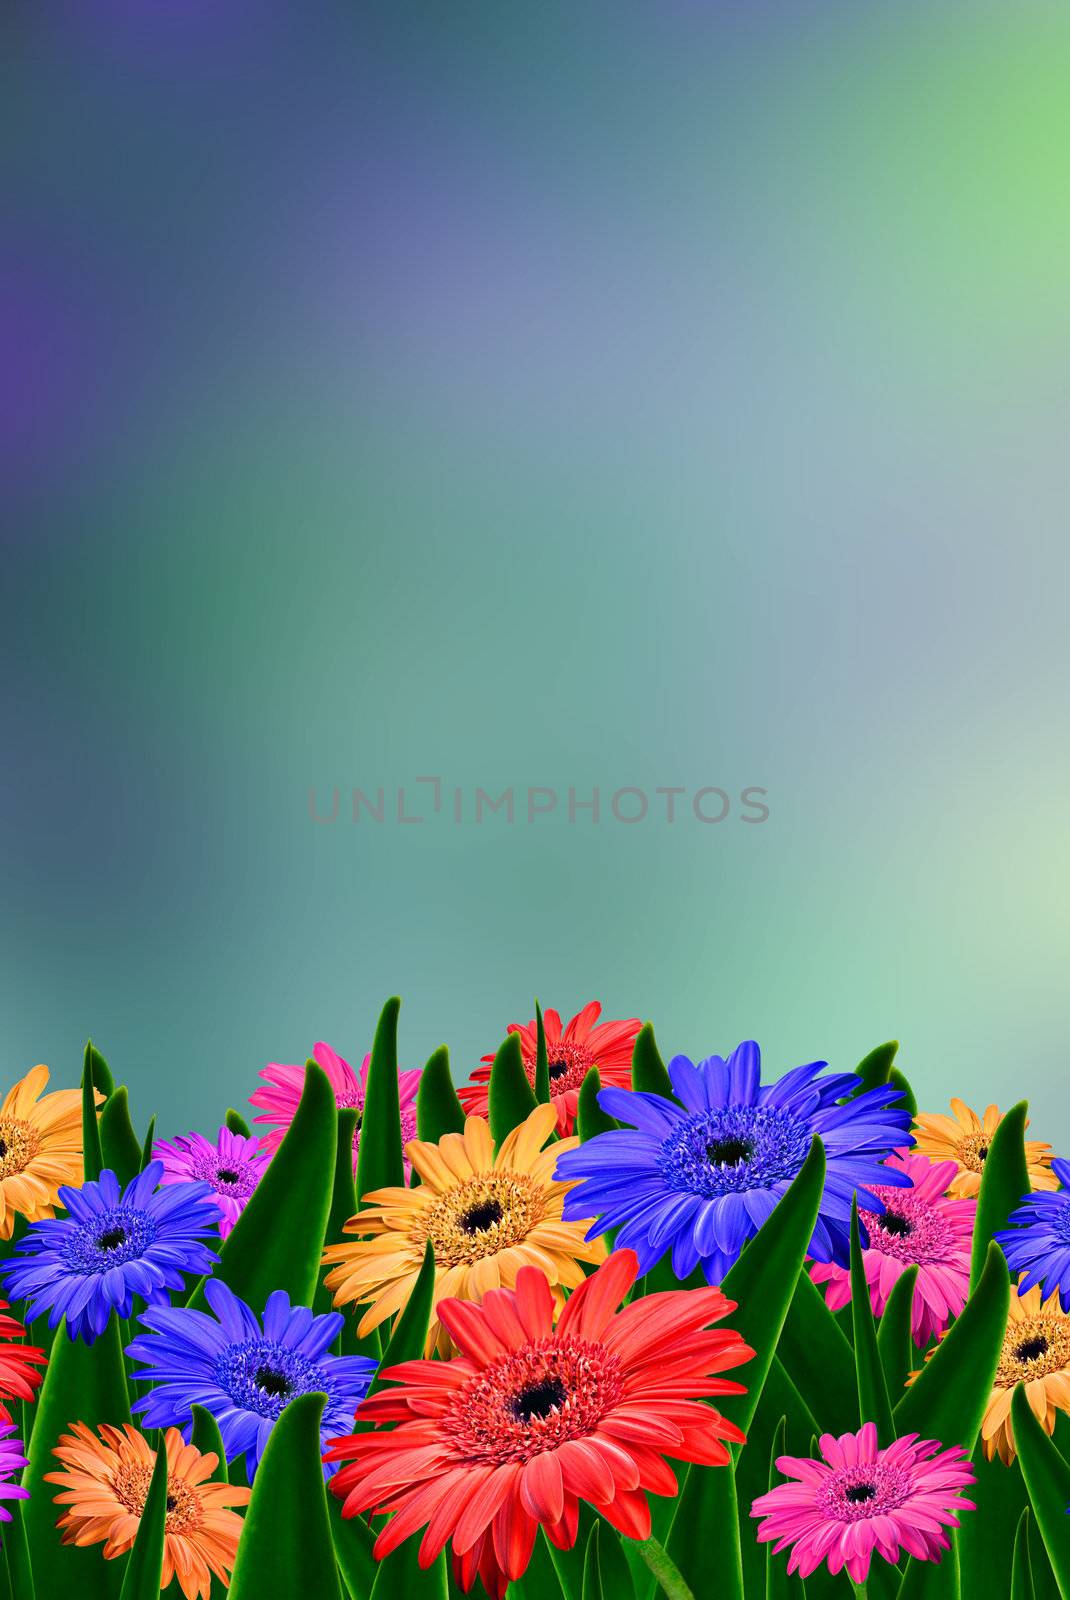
[[16, 1553], [816, 1354], [207, 1438], [380, 1163], [894, 1338], [237, 1123], [592, 1574], [146, 1148], [83, 1383], [539, 1580], [1047, 1478], [762, 1283], [669, 1579], [948, 1398], [897, 1081], [1021, 1570], [542, 1060], [400, 1576], [779, 1585], [144, 1566], [410, 1330], [343, 1206], [873, 1402], [649, 1072], [119, 1143], [511, 1097], [985, 1551], [875, 1069], [353, 1542], [438, 1109], [286, 1546], [277, 1241], [590, 1118], [99, 1071], [1004, 1184], [932, 1580], [92, 1158]]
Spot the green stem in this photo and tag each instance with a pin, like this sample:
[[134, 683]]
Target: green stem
[[664, 1569]]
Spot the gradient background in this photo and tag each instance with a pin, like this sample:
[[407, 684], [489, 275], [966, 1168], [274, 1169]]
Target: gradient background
[[535, 394]]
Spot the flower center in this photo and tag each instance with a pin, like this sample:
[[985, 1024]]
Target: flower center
[[531, 1400], [112, 1239], [1034, 1347], [272, 1383], [731, 1149], [262, 1376], [867, 1490], [1030, 1349], [228, 1175], [485, 1214], [18, 1146], [481, 1217], [899, 1227], [538, 1399], [910, 1230], [729, 1152], [860, 1492], [569, 1064], [973, 1150]]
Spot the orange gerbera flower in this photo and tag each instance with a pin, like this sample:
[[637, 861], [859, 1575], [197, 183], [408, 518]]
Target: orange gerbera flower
[[40, 1148], [965, 1137], [1036, 1352], [105, 1487], [485, 1214], [571, 1052]]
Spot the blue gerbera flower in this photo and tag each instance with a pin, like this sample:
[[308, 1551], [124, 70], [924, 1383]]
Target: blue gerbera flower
[[113, 1245], [701, 1173], [1037, 1242], [245, 1374]]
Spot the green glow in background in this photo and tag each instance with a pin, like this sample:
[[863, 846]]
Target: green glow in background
[[604, 395]]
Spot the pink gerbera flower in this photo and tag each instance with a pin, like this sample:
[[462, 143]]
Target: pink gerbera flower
[[279, 1101], [920, 1227], [571, 1052], [233, 1165], [860, 1499]]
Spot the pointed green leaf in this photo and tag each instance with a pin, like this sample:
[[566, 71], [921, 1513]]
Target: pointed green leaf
[[1047, 1478], [1004, 1184], [353, 1541], [816, 1354], [778, 1584], [400, 1576], [144, 1565], [92, 1158], [343, 1206], [985, 1551], [649, 1072], [876, 1068], [410, 1330], [708, 1519], [16, 1555], [948, 1398], [83, 1383], [894, 1338], [277, 1241], [286, 1546], [146, 1148], [380, 1163], [897, 1081], [119, 1144], [207, 1438], [99, 1071], [438, 1110], [511, 1097], [542, 1060], [1021, 1571], [590, 1118], [237, 1123], [873, 1402], [592, 1574], [932, 1580]]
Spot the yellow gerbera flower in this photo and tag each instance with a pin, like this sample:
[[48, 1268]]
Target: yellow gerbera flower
[[1036, 1352], [486, 1216], [965, 1137], [40, 1148]]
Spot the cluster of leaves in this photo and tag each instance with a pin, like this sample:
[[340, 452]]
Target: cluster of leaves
[[813, 1372]]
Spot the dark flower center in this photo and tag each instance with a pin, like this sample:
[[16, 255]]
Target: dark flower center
[[557, 1069], [272, 1382], [228, 1175], [537, 1399], [481, 1217], [729, 1152], [982, 1151], [892, 1222], [1031, 1348], [112, 1239], [171, 1502], [858, 1493], [3, 1148]]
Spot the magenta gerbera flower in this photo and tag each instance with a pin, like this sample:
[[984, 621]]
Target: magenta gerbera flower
[[279, 1100], [860, 1499], [920, 1227], [233, 1166]]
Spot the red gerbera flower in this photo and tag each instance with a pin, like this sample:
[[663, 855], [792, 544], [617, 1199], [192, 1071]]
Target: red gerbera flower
[[571, 1053], [18, 1379], [530, 1419]]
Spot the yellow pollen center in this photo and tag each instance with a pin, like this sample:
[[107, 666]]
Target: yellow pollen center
[[18, 1145], [481, 1216], [973, 1150], [1035, 1347]]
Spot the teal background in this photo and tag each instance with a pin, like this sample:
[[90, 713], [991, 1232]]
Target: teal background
[[594, 395]]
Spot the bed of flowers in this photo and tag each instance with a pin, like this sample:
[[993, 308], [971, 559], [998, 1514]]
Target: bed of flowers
[[589, 1328]]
